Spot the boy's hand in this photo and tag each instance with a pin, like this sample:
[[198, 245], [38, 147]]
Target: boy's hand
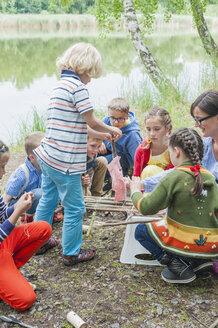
[[86, 180], [24, 203], [116, 133], [102, 149]]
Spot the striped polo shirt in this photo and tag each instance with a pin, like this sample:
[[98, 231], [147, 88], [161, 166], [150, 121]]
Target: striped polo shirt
[[64, 147]]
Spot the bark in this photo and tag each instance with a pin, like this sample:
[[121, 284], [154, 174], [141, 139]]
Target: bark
[[203, 31], [153, 70]]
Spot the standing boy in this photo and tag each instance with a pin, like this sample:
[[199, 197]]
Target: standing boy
[[119, 116], [63, 152]]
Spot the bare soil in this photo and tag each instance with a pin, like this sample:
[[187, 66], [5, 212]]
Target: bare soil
[[107, 293]]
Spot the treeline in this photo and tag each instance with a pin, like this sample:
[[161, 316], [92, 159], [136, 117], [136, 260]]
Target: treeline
[[43, 6]]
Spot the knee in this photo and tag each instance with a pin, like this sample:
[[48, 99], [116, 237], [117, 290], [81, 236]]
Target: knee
[[26, 301], [101, 161], [139, 231], [45, 229]]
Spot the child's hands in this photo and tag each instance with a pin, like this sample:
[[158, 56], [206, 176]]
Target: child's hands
[[116, 133], [102, 149], [135, 184], [86, 180], [24, 203]]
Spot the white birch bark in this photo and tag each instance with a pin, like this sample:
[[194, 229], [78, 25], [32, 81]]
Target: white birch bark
[[153, 70], [203, 31]]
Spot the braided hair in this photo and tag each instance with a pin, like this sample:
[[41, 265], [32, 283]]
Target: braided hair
[[191, 144], [161, 113], [3, 148]]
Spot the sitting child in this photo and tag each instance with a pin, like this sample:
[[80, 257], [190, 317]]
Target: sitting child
[[17, 245], [152, 156], [96, 167], [27, 177], [119, 116], [186, 241]]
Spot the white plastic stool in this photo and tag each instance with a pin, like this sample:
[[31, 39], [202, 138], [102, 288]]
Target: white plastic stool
[[132, 248]]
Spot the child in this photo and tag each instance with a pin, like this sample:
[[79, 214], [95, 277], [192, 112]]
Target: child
[[119, 116], [63, 152], [26, 178], [17, 245], [187, 239], [96, 168], [152, 156]]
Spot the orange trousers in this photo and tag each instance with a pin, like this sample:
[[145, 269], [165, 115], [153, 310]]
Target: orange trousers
[[15, 251]]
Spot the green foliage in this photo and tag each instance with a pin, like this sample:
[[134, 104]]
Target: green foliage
[[38, 6]]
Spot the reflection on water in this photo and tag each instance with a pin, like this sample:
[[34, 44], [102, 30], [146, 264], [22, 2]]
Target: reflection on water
[[27, 71]]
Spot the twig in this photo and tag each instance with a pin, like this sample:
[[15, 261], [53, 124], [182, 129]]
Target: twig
[[199, 321], [215, 324], [95, 306], [112, 224]]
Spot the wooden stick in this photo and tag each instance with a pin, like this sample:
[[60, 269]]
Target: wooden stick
[[215, 324], [127, 222]]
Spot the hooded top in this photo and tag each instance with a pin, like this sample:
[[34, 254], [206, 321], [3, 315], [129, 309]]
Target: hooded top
[[129, 141]]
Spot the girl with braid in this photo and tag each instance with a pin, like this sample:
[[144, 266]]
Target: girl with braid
[[186, 240]]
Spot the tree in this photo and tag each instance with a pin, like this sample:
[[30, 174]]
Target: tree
[[203, 31], [140, 16]]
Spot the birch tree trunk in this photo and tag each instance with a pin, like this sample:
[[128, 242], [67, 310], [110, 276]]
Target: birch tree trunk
[[153, 70], [203, 31]]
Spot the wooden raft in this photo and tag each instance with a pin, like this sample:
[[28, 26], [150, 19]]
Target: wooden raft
[[108, 204]]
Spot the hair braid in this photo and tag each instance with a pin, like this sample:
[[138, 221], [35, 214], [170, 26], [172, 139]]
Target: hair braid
[[192, 145]]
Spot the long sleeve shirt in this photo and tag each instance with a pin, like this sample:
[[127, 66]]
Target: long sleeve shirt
[[191, 225], [5, 226]]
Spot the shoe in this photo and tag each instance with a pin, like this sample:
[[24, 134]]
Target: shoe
[[51, 243], [58, 217], [26, 218], [201, 265], [178, 272], [83, 256], [108, 185]]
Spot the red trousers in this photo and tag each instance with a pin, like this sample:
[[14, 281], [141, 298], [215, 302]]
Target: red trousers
[[15, 251]]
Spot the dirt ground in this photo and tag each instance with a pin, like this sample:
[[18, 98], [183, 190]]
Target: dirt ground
[[105, 292]]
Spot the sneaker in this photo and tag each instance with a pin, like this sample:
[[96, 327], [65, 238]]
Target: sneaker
[[26, 218], [58, 217], [51, 243], [201, 265], [83, 256], [108, 185], [178, 272]]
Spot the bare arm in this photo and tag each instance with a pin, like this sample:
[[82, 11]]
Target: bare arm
[[99, 135], [23, 204], [7, 198], [96, 124]]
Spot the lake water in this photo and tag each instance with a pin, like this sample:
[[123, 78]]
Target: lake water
[[28, 71]]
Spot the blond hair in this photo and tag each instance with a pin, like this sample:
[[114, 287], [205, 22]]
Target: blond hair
[[119, 104], [32, 141], [81, 58]]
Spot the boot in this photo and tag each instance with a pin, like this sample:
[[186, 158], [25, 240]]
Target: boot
[[177, 271]]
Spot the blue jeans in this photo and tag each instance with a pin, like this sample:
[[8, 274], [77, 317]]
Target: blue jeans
[[37, 195], [143, 237], [67, 188]]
